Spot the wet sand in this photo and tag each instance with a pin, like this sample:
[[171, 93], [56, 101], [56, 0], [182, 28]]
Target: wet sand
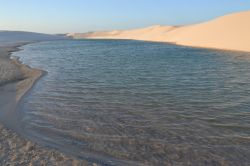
[[16, 80]]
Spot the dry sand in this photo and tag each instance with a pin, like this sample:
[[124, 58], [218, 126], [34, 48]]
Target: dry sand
[[230, 32], [153, 33], [16, 79]]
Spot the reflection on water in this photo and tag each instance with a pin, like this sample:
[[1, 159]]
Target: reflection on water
[[140, 102]]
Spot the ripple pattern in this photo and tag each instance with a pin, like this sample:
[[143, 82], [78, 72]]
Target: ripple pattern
[[140, 102]]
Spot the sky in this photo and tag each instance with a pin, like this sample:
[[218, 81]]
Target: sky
[[62, 16]]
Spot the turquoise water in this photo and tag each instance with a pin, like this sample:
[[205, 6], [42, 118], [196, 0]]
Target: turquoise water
[[119, 102]]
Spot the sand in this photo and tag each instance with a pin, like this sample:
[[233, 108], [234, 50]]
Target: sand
[[15, 150], [16, 79], [153, 33], [230, 32], [8, 70]]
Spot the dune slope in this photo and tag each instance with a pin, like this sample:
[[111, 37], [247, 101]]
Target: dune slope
[[153, 33], [228, 32], [8, 37]]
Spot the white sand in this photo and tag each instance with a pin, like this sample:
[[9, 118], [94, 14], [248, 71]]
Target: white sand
[[230, 32], [153, 33]]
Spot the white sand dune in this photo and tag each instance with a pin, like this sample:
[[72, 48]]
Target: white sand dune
[[153, 33], [228, 32], [231, 32]]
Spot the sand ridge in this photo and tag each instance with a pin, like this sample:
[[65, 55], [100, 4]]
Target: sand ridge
[[230, 32]]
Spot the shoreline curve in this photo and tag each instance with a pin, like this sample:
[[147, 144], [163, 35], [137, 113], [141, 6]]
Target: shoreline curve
[[15, 149]]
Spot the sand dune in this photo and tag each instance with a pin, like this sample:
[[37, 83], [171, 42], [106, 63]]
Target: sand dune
[[228, 32], [10, 37], [153, 33]]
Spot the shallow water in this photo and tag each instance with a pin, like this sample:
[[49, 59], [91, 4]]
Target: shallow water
[[129, 102]]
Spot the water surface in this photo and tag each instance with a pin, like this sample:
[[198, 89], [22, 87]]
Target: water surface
[[129, 102]]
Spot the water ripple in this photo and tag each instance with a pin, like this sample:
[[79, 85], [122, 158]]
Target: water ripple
[[150, 103]]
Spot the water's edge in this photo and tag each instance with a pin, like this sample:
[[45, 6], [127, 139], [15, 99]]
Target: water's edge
[[11, 114], [15, 147], [192, 111]]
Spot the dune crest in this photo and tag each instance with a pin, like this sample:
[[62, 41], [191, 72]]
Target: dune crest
[[231, 32]]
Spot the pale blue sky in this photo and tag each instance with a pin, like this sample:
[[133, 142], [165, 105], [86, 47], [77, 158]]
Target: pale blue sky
[[60, 16]]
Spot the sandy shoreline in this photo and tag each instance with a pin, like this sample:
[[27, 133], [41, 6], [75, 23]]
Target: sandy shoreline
[[16, 79]]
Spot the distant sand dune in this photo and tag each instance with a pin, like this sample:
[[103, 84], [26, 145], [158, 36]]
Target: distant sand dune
[[153, 33], [10, 37], [228, 32]]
